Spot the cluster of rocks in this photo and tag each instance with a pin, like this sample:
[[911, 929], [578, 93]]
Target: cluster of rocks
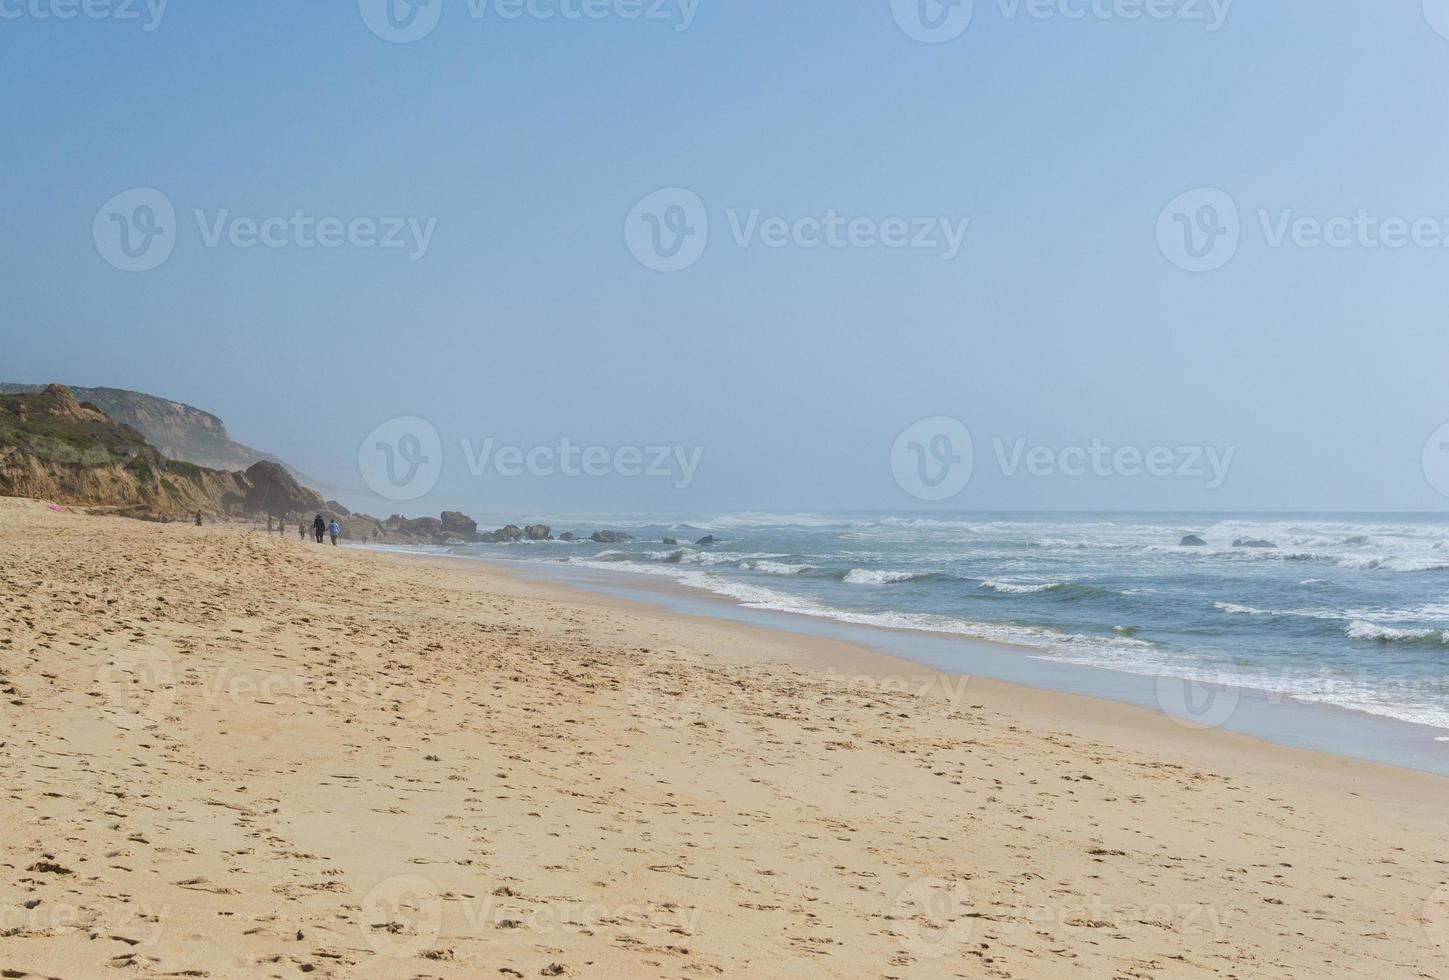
[[513, 533], [1195, 541], [453, 527]]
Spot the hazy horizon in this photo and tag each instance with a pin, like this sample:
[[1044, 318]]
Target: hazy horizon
[[1187, 263]]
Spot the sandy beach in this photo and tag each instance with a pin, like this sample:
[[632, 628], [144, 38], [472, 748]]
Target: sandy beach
[[233, 754]]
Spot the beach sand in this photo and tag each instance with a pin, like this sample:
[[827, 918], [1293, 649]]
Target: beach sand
[[227, 754]]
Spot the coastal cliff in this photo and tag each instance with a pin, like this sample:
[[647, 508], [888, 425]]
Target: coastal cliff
[[55, 447], [180, 432], [124, 452]]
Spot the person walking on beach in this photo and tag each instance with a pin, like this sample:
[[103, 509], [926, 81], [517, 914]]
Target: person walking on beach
[[319, 527], [198, 518], [302, 529], [334, 529]]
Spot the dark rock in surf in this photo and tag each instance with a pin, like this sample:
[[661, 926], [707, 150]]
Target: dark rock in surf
[[538, 532], [706, 541], [610, 537], [1193, 541], [459, 524]]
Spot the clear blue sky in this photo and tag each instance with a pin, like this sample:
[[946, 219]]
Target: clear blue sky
[[528, 320]]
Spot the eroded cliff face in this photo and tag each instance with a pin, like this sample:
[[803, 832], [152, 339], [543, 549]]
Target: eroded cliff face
[[130, 488], [179, 431], [55, 447]]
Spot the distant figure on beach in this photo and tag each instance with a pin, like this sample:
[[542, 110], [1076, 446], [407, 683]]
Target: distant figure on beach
[[302, 529], [270, 528], [198, 518], [281, 527], [334, 529], [319, 528]]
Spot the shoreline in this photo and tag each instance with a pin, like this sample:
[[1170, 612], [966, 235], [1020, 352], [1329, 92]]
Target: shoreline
[[1099, 717], [1278, 720], [231, 754]]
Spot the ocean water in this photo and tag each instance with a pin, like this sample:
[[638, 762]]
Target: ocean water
[[1351, 611]]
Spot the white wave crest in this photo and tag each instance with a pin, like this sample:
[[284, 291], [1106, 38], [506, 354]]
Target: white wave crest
[[1232, 608], [1360, 630], [869, 576], [1020, 588], [1392, 563], [775, 567]]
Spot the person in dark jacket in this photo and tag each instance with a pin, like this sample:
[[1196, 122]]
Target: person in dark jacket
[[319, 528]]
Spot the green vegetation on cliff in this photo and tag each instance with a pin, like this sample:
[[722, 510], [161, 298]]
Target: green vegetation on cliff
[[54, 447]]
